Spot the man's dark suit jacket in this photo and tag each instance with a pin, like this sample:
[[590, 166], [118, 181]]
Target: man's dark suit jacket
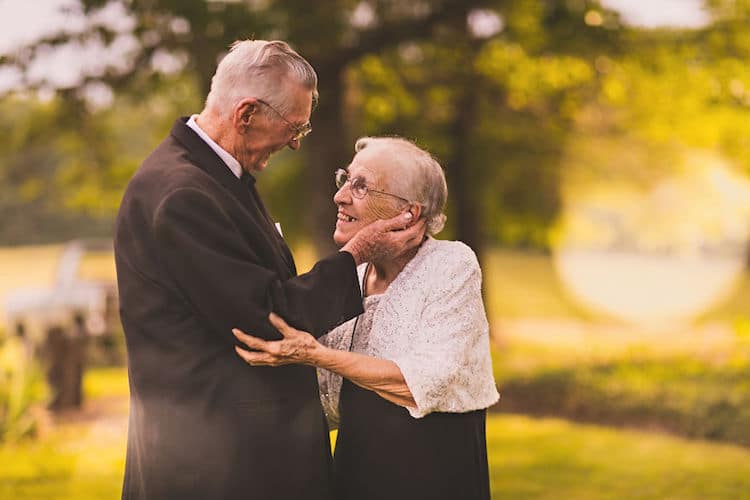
[[197, 255]]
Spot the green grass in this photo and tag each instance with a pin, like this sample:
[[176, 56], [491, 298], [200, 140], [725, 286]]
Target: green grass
[[106, 382], [691, 395], [528, 459], [601, 375], [555, 459], [83, 458], [76, 461]]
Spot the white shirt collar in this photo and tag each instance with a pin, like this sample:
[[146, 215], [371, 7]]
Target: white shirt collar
[[230, 161]]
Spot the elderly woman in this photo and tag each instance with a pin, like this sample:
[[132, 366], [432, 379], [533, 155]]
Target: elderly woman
[[409, 380]]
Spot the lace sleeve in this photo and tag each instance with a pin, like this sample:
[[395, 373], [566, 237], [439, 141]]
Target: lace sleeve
[[329, 383], [447, 364]]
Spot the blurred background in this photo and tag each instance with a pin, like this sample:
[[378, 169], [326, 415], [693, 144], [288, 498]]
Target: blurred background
[[598, 162]]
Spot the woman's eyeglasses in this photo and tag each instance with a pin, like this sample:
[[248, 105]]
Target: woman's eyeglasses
[[358, 187]]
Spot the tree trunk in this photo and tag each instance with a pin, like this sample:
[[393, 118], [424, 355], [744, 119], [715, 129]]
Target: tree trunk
[[465, 210], [462, 181], [327, 149]]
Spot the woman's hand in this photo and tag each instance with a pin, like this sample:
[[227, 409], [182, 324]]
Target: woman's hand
[[296, 346], [382, 376]]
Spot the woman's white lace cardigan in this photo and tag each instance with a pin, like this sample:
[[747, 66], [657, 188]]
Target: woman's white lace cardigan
[[431, 322]]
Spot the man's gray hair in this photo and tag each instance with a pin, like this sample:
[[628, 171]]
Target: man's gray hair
[[420, 176], [257, 68]]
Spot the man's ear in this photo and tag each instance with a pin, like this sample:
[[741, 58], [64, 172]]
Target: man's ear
[[244, 112]]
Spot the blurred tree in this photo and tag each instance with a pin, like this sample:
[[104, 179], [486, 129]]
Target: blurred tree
[[193, 34], [63, 168], [30, 200], [494, 95], [495, 88]]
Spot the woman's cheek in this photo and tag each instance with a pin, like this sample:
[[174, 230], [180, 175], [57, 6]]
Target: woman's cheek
[[379, 208]]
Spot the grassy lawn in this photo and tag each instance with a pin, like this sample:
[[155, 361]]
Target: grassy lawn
[[82, 457], [552, 357], [555, 459], [698, 391], [78, 461]]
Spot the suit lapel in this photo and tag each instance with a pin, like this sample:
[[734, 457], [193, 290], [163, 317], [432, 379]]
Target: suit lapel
[[207, 160], [242, 189]]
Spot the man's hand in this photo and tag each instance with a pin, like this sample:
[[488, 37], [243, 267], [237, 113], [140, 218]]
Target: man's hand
[[386, 239], [296, 346]]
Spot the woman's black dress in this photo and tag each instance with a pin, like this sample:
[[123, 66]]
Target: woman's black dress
[[383, 453]]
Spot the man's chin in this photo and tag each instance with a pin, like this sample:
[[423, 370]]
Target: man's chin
[[260, 165]]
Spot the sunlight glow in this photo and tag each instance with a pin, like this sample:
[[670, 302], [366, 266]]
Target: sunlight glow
[[659, 256], [661, 13]]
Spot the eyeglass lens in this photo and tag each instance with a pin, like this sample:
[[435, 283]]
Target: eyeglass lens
[[357, 185], [341, 177], [303, 131]]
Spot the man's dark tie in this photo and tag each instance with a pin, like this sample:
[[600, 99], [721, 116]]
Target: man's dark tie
[[249, 181]]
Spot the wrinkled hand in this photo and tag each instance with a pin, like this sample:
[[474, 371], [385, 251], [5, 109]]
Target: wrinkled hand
[[296, 346], [386, 239]]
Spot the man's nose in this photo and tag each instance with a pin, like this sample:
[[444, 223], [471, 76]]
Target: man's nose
[[293, 144]]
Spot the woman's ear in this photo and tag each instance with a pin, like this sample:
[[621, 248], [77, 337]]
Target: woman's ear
[[416, 210]]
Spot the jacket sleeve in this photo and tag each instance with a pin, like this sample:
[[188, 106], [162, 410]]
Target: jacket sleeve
[[222, 278]]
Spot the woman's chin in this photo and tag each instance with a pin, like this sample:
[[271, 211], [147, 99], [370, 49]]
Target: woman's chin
[[340, 239]]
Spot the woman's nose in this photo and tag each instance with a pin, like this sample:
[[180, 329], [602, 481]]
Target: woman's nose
[[343, 195]]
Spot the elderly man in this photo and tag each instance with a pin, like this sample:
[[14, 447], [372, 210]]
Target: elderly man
[[198, 254]]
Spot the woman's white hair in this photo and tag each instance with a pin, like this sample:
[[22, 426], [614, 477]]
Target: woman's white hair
[[258, 68], [420, 177]]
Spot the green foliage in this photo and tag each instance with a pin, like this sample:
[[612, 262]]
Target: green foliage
[[668, 90], [22, 392], [561, 92], [684, 395], [283, 189], [63, 171]]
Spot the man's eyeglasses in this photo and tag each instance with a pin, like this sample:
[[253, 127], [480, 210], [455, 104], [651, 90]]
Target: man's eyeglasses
[[300, 131], [358, 187]]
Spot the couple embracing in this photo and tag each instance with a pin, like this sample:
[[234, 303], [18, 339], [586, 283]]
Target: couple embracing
[[238, 366]]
